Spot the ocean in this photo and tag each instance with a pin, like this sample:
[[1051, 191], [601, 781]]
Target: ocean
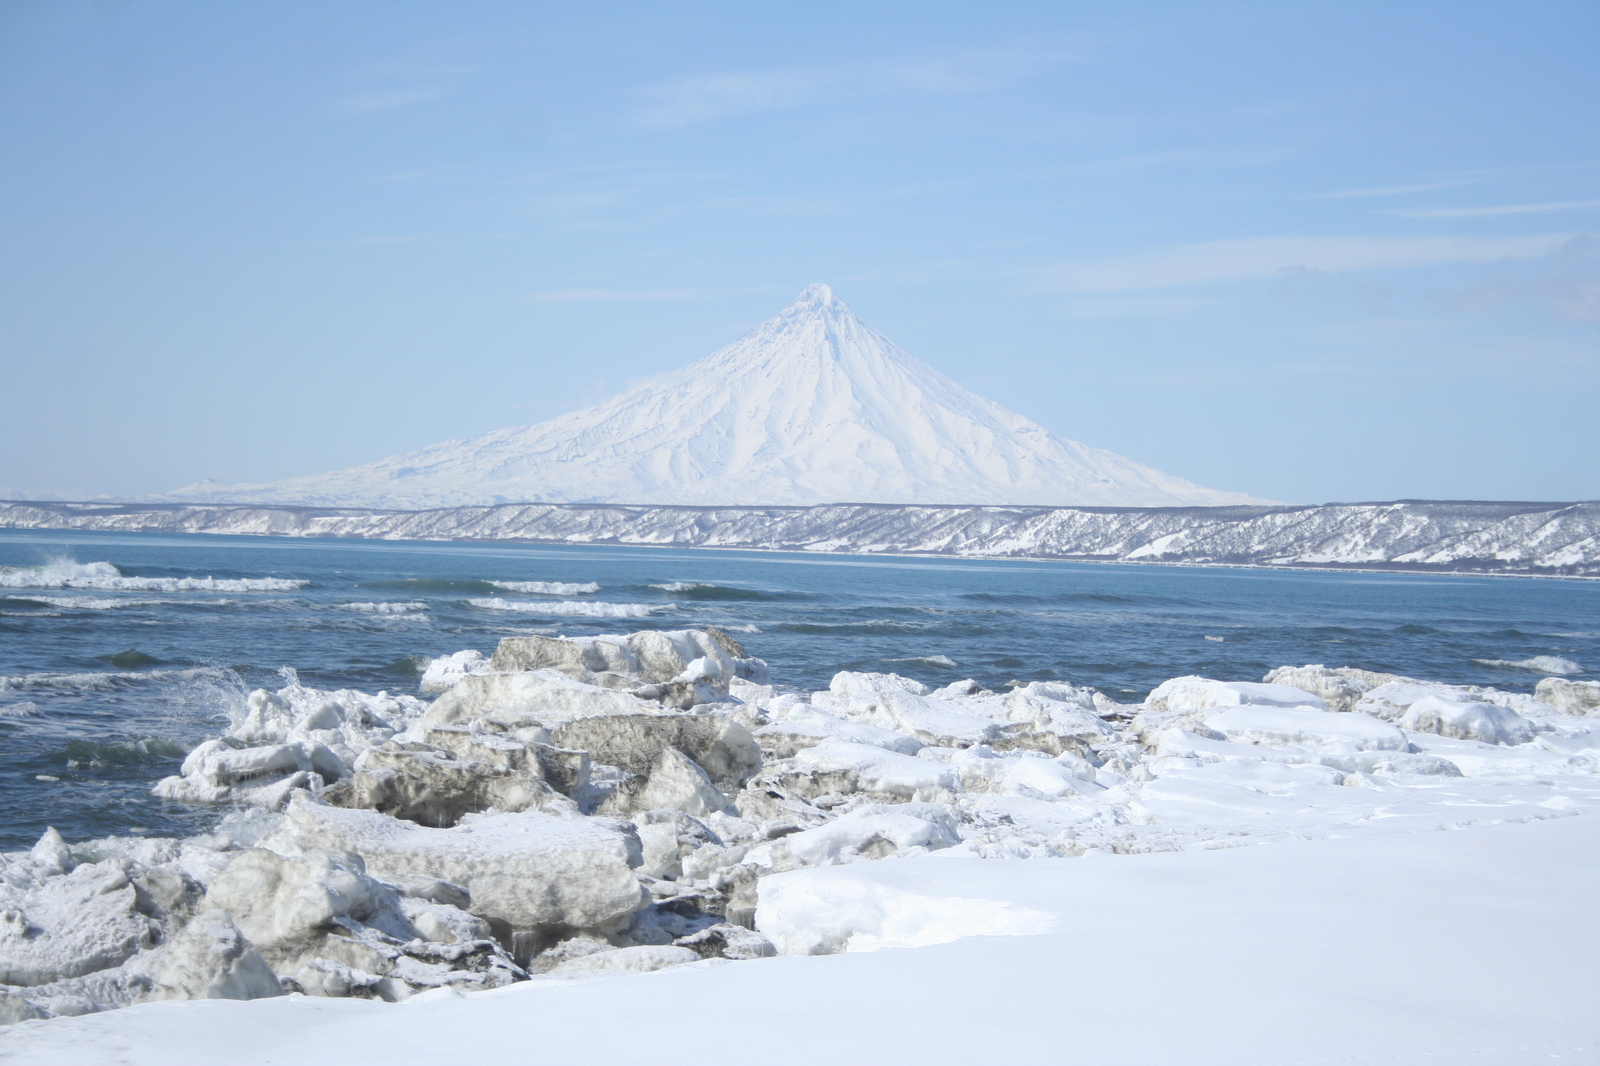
[[118, 653]]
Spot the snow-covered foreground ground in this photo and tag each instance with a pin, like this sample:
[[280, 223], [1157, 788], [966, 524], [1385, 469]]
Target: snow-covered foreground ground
[[1476, 945], [621, 848]]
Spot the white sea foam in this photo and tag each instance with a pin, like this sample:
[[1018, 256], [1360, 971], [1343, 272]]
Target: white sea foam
[[548, 588], [1539, 664], [932, 660], [93, 603], [683, 586], [66, 574], [20, 710], [410, 607], [88, 682], [573, 608]]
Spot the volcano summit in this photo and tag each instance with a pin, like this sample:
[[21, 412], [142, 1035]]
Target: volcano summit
[[812, 406]]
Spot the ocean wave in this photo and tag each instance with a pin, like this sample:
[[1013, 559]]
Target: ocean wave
[[89, 682], [410, 607], [93, 603], [20, 710], [1539, 664], [66, 574], [548, 588], [573, 608], [706, 590], [931, 660]]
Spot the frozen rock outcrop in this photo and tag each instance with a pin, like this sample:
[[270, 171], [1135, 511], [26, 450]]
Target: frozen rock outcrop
[[1569, 697], [1468, 720]]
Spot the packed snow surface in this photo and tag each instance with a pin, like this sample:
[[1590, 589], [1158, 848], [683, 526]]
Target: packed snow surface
[[812, 406]]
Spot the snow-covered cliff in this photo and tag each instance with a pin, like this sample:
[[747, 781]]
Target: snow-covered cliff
[[1538, 538], [812, 406]]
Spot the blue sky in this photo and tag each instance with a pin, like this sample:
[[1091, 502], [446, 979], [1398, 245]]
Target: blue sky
[[1342, 251]]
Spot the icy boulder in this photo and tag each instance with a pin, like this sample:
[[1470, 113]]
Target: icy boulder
[[538, 698], [644, 958], [1191, 694], [871, 832], [881, 775], [1277, 726], [211, 959], [443, 672], [1569, 697], [532, 871], [804, 726], [216, 772], [434, 786], [1341, 689], [672, 780], [681, 668], [720, 746], [1468, 720], [61, 920]]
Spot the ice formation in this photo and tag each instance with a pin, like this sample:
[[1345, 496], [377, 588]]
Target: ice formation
[[632, 803], [812, 406]]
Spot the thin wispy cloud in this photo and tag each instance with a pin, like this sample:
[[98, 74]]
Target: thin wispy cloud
[[638, 295], [1255, 259], [1491, 212], [1394, 190], [687, 101], [385, 101]]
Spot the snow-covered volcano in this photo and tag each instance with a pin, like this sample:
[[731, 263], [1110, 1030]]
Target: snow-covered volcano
[[812, 406]]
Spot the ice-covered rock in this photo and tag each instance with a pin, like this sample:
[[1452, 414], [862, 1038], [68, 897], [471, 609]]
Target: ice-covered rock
[[531, 871], [1467, 720], [443, 672], [721, 747], [671, 780], [1279, 725], [805, 726], [680, 668], [1341, 689], [1569, 697], [217, 772], [60, 923], [642, 959], [435, 787], [530, 699], [871, 832], [210, 959], [1190, 694], [879, 774]]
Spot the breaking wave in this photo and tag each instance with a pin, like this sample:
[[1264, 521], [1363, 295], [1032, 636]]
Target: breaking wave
[[548, 588], [1541, 664], [90, 682], [66, 574], [410, 607], [931, 660], [91, 603], [573, 608]]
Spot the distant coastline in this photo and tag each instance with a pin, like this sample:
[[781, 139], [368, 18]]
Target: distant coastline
[[1467, 537]]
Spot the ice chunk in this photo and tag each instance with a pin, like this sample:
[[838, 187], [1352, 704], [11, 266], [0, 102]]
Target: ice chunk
[[1569, 697], [1188, 694], [446, 670], [1466, 720], [531, 870], [642, 959], [870, 832], [1276, 726], [840, 767]]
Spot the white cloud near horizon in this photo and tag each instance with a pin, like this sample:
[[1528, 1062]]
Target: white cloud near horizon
[[1261, 258], [687, 101]]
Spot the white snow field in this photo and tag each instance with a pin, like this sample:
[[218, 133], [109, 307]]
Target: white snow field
[[812, 406], [1476, 945]]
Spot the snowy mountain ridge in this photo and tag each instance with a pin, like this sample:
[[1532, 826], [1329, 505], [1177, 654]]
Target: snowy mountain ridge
[[1557, 539], [812, 406]]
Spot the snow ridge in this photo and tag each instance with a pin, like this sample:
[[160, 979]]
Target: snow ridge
[[1557, 539], [812, 406]]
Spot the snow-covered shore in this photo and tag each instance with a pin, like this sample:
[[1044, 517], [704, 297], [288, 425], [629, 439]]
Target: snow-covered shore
[[1389, 949], [1512, 538], [568, 809]]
